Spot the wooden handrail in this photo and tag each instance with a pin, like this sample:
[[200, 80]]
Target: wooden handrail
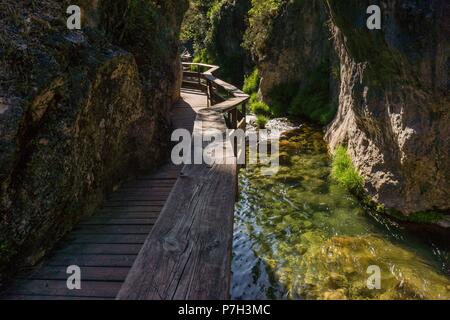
[[206, 82]]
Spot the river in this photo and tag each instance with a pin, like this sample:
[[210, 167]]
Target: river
[[299, 235]]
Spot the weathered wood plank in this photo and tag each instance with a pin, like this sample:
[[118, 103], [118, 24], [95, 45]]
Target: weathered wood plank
[[87, 273], [114, 229], [116, 249], [99, 289], [131, 210], [108, 238], [92, 260], [113, 220], [131, 203]]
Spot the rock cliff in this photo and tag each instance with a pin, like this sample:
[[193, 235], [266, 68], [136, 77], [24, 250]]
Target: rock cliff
[[391, 85], [394, 109], [80, 111]]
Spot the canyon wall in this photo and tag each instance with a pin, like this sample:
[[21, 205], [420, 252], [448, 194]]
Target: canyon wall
[[394, 110], [289, 41], [80, 111], [391, 85]]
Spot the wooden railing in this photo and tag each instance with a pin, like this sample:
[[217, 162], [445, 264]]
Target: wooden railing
[[222, 96]]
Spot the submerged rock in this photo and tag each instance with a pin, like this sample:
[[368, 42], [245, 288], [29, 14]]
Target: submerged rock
[[337, 269]]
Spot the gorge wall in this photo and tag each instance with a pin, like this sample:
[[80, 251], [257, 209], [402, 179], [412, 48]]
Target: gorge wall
[[394, 110], [387, 90], [80, 111]]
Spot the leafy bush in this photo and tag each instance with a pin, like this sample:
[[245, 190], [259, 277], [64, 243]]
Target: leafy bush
[[261, 121], [261, 18], [251, 82], [344, 172], [254, 98], [260, 108], [310, 100], [429, 217]]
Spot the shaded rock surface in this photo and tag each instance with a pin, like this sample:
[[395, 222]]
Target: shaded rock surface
[[224, 42], [80, 111]]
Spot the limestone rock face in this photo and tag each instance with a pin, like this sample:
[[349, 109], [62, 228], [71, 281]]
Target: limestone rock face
[[293, 43], [394, 110], [80, 112]]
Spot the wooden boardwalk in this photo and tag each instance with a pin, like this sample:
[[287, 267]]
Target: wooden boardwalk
[[106, 245], [163, 236]]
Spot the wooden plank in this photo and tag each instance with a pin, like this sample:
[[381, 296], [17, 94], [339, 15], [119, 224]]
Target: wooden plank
[[228, 104], [125, 208], [142, 184], [108, 238], [114, 229], [132, 210], [131, 203], [113, 220], [92, 260], [144, 196], [59, 287], [127, 215], [117, 249], [87, 273]]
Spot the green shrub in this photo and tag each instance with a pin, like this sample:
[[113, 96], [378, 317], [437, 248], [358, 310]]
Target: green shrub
[[254, 98], [261, 121], [251, 82], [281, 97], [260, 24], [345, 173], [260, 108], [311, 100], [428, 217]]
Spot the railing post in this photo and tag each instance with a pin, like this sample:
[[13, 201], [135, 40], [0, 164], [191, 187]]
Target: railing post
[[244, 111], [234, 118], [209, 92]]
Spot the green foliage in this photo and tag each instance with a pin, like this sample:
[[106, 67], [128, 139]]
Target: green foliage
[[311, 101], [260, 108], [261, 121], [428, 217], [254, 98], [345, 173], [197, 22], [261, 17], [202, 32], [251, 82]]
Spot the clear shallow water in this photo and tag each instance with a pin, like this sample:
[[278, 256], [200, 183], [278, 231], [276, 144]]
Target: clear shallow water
[[298, 235]]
